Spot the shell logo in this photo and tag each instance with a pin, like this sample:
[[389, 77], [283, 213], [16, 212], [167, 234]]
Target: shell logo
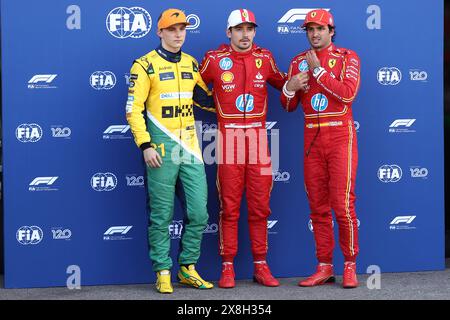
[[227, 77]]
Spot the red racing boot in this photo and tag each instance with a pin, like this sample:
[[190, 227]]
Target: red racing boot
[[349, 279], [324, 275], [227, 276], [263, 276]]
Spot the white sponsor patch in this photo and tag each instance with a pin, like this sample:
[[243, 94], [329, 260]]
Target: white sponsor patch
[[175, 95]]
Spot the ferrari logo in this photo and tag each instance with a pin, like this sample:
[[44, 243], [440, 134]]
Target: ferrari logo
[[313, 14], [258, 63], [331, 63]]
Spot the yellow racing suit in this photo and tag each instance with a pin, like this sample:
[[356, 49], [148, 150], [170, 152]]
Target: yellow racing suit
[[163, 87]]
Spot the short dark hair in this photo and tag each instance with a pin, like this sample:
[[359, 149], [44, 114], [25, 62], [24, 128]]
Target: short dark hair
[[331, 29]]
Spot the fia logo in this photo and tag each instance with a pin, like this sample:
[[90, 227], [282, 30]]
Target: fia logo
[[29, 132], [102, 80], [104, 181], [175, 229], [134, 22], [389, 173], [29, 235], [389, 76]]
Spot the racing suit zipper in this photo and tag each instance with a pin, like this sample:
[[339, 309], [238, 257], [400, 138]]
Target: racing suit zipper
[[245, 111], [179, 100]]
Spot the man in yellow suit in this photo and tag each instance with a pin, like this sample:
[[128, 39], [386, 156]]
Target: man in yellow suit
[[165, 83]]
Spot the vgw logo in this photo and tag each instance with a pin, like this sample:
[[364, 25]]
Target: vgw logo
[[176, 229], [29, 235], [41, 81], [389, 173], [389, 76], [134, 22], [104, 181], [116, 132], [402, 126], [29, 132], [402, 223], [288, 23], [102, 80], [47, 182]]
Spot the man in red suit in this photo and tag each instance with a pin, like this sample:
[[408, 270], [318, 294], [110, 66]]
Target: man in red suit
[[325, 80], [239, 72]]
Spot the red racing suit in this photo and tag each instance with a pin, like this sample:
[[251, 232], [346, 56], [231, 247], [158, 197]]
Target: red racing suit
[[330, 145], [240, 95]]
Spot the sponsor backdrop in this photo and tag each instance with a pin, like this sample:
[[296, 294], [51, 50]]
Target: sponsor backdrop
[[75, 201]]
